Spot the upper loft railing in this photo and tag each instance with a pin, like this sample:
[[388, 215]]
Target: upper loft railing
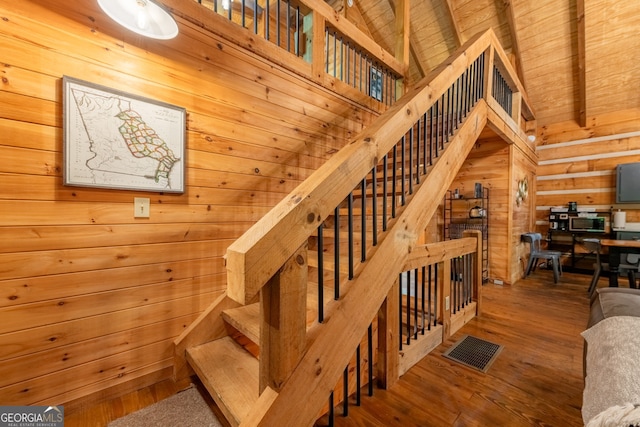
[[334, 51]]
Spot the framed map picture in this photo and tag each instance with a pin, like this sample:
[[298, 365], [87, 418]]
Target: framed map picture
[[120, 141]]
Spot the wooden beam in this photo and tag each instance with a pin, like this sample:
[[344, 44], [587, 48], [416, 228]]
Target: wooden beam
[[389, 340], [582, 64], [477, 267], [317, 63], [417, 58], [454, 23], [403, 28], [283, 308], [354, 14], [444, 282], [515, 39]]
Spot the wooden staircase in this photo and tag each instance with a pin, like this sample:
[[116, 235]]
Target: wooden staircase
[[261, 348]]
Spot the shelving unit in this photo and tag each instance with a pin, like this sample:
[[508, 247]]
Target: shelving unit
[[570, 242], [456, 219]]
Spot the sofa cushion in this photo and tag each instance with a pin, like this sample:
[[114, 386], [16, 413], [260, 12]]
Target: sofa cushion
[[612, 374], [610, 302]]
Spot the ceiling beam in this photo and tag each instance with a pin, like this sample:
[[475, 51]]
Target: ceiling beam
[[419, 63], [403, 27], [582, 65], [515, 39], [417, 59], [454, 23], [353, 13]]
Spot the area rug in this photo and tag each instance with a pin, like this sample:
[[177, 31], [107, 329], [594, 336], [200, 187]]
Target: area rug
[[186, 409]]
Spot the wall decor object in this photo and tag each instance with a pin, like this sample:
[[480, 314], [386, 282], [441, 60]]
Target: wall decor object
[[523, 191], [121, 141], [376, 84]]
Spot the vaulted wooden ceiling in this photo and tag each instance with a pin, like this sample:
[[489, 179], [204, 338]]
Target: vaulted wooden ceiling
[[578, 59]]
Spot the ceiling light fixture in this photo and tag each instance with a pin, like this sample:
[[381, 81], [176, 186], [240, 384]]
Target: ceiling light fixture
[[144, 17]]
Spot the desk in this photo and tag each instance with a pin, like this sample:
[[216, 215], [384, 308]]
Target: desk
[[616, 247]]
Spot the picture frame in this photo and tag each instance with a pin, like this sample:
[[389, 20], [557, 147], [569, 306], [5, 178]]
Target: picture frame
[[117, 140], [375, 83]]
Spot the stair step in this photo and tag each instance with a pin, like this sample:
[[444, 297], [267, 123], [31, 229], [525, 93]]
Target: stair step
[[245, 319], [230, 374], [329, 263]]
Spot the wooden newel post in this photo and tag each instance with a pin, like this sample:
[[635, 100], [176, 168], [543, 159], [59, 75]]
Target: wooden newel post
[[488, 73], [445, 299], [283, 306], [389, 339], [477, 268]]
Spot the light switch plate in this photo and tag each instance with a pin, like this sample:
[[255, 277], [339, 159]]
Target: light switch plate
[[141, 206]]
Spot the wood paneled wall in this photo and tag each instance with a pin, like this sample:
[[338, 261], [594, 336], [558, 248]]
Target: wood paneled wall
[[578, 164], [91, 298], [500, 166]]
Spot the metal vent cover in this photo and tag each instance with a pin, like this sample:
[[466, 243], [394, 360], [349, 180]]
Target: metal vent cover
[[474, 352]]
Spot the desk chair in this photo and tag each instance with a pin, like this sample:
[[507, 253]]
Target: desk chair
[[536, 253], [594, 246]]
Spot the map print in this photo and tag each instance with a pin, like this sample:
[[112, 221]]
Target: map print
[[118, 141]]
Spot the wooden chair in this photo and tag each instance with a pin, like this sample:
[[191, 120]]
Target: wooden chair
[[536, 253], [593, 245]]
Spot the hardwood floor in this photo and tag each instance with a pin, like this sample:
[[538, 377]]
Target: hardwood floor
[[536, 380]]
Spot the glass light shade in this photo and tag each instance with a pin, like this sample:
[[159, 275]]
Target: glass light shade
[[141, 16]]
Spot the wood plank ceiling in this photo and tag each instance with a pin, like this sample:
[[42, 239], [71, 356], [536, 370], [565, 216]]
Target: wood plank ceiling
[[578, 59]]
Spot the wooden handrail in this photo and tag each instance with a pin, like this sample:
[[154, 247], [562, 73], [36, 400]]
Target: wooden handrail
[[433, 253]]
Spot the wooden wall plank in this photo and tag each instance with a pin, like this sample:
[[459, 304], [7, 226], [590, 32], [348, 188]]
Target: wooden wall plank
[[43, 188], [60, 358], [77, 270], [44, 288], [589, 148], [34, 212], [28, 264], [108, 368], [33, 315], [45, 338]]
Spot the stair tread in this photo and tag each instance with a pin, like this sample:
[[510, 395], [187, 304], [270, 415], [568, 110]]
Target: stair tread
[[329, 262], [229, 373], [246, 320]]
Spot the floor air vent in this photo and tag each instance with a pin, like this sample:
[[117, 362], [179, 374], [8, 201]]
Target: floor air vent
[[474, 352]]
